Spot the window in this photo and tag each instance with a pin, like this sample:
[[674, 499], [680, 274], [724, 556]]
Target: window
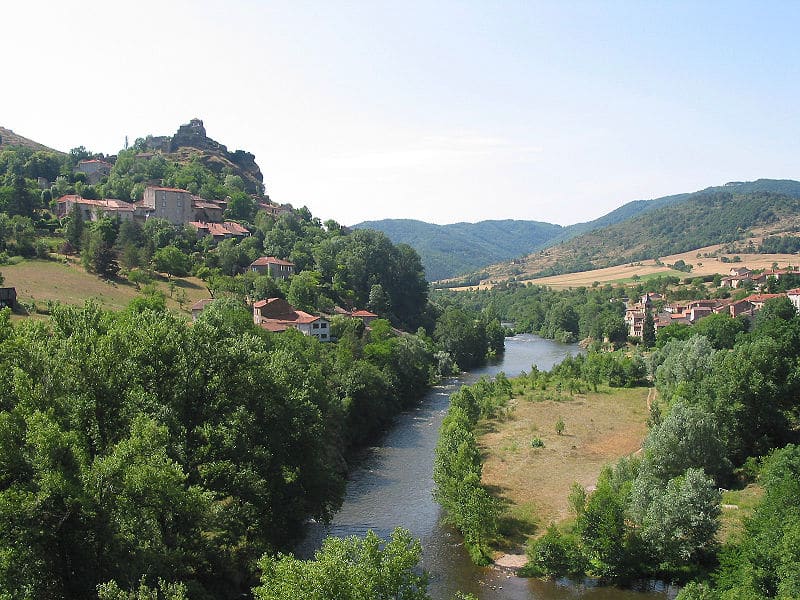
[[323, 325], [324, 336], [316, 325], [163, 204]]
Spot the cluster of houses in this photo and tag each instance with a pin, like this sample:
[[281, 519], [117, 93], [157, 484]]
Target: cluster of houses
[[179, 207], [742, 276], [277, 315], [690, 311]]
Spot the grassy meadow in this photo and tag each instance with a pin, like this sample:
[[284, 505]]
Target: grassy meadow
[[41, 281], [533, 483]]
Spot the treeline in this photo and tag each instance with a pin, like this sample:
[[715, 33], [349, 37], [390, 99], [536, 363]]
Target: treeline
[[457, 466], [567, 316], [723, 405], [134, 445], [780, 244]]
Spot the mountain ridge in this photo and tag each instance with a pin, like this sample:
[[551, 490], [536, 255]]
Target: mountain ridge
[[462, 248]]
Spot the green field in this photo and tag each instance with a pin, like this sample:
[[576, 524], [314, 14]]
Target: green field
[[41, 281]]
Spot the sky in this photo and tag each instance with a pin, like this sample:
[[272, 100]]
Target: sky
[[440, 111]]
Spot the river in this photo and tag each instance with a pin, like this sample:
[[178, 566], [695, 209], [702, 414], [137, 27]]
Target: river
[[392, 486]]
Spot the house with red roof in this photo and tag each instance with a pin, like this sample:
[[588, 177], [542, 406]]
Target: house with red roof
[[366, 316], [220, 231], [277, 315], [758, 300], [92, 210], [199, 306], [275, 267]]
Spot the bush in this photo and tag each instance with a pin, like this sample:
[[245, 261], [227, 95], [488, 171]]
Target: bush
[[555, 554], [537, 443]]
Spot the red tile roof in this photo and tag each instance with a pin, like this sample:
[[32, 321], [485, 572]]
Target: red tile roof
[[220, 229], [762, 297], [270, 260], [363, 313], [201, 304], [166, 189]]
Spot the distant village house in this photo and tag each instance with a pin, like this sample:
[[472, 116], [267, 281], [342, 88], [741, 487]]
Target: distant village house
[[277, 315], [92, 210], [275, 267], [94, 169]]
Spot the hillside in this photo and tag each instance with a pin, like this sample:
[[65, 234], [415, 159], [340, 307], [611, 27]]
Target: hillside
[[717, 215], [448, 250], [191, 142], [9, 139]]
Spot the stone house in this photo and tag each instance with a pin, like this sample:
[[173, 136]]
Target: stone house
[[199, 306], [92, 210], [94, 169], [277, 315], [277, 268], [172, 204]]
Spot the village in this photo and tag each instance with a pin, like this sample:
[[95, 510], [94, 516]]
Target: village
[[688, 312]]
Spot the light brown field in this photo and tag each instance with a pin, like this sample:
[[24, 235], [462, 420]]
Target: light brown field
[[700, 266], [648, 268], [40, 281], [534, 483]]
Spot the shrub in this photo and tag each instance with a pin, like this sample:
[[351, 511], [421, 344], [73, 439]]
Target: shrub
[[555, 554]]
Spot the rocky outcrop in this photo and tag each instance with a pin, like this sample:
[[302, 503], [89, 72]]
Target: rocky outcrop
[[191, 141]]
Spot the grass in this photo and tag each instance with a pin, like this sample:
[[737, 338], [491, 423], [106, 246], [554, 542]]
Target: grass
[[40, 281], [737, 505], [533, 483]]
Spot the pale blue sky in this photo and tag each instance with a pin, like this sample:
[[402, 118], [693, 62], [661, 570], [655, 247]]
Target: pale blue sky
[[439, 111]]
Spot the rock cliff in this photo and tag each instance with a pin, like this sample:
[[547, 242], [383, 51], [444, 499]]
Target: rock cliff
[[191, 141]]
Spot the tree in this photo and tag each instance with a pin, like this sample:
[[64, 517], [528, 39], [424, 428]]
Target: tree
[[681, 523], [648, 330], [688, 437], [462, 335], [304, 291], [98, 256], [171, 261], [348, 569], [378, 300], [74, 229], [240, 207]]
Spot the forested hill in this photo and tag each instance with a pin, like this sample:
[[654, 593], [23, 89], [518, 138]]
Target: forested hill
[[716, 216], [448, 250]]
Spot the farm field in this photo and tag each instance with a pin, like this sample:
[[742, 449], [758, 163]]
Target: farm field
[[646, 269]]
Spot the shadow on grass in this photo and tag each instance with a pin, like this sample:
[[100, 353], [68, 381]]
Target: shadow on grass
[[183, 283], [513, 530]]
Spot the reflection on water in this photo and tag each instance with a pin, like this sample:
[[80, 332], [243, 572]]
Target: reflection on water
[[392, 487]]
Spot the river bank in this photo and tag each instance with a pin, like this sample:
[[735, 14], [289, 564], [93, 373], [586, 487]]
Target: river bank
[[392, 486]]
